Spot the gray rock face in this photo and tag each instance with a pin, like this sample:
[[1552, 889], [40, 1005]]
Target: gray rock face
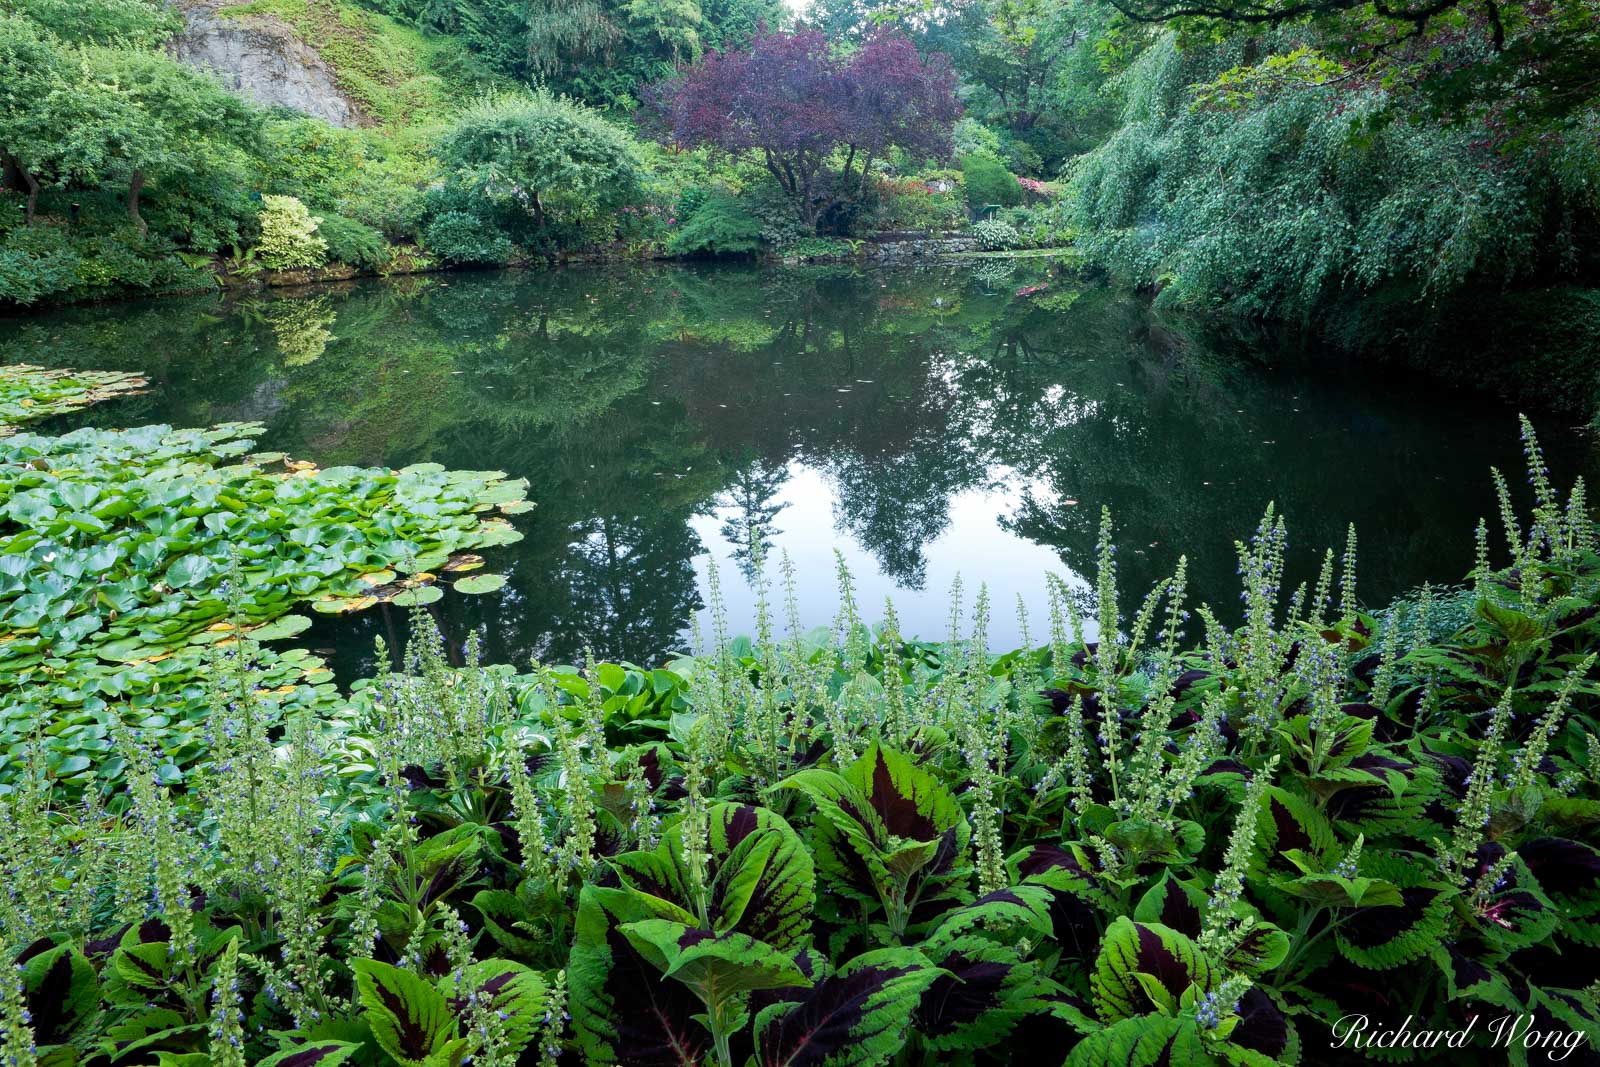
[[264, 60]]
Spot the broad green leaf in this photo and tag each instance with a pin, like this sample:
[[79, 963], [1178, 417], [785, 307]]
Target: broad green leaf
[[1132, 948], [409, 1018]]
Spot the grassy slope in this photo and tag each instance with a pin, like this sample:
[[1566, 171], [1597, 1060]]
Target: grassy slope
[[396, 74]]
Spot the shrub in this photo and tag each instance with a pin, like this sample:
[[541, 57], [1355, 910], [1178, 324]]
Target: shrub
[[459, 237], [989, 183], [543, 156], [721, 226], [913, 204], [289, 238], [36, 263], [781, 224], [996, 236], [354, 243], [973, 138]]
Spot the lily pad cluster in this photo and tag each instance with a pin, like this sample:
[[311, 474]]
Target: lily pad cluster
[[129, 558], [29, 393]]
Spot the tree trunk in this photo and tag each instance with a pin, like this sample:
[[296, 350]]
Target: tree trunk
[[135, 188], [10, 173], [33, 191]]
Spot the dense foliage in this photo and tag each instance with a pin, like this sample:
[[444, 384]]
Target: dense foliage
[[793, 105], [131, 557], [845, 847]]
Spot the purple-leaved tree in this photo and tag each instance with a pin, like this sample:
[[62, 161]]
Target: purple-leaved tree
[[789, 100]]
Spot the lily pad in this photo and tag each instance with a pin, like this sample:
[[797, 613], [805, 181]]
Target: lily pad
[[418, 596], [479, 583]]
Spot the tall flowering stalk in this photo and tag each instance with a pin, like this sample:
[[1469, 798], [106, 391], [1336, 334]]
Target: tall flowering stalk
[[1264, 650], [17, 1045], [1458, 854], [1229, 886], [226, 1025]]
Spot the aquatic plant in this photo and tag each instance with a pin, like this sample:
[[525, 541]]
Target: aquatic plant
[[129, 558], [29, 393], [840, 846]]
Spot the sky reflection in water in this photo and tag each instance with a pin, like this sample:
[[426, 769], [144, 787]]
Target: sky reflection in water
[[925, 423]]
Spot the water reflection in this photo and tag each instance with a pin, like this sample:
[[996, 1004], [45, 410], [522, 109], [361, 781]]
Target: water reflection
[[925, 423]]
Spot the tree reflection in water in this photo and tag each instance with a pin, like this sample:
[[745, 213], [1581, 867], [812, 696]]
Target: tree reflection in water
[[663, 412]]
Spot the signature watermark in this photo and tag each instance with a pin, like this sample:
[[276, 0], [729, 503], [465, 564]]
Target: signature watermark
[[1504, 1032]]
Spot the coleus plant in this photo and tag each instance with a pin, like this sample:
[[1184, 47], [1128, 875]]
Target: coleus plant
[[864, 852]]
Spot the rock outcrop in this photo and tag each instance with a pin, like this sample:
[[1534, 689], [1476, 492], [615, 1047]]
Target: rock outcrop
[[262, 58]]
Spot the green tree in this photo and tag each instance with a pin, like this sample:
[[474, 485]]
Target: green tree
[[129, 23], [35, 71], [543, 156], [150, 119]]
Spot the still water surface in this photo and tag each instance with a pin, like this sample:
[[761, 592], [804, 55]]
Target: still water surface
[[923, 423]]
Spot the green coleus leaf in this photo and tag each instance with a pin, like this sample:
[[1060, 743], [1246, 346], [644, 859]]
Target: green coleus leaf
[[62, 992], [1130, 949], [1332, 891], [410, 1019], [622, 1009], [1144, 841], [985, 990], [508, 919], [312, 1054], [147, 965], [858, 1016], [713, 965], [1016, 911], [1145, 1041], [1174, 904], [760, 877], [1467, 977], [1384, 937], [1510, 623], [879, 815], [1288, 822], [1260, 949], [514, 991]]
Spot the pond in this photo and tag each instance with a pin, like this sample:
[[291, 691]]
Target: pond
[[924, 423]]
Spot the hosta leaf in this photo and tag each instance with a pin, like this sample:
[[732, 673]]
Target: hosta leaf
[[409, 1018], [1130, 949], [853, 1018]]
